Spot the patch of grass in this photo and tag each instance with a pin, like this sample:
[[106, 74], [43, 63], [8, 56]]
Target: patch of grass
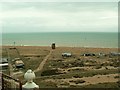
[[64, 84], [32, 63], [44, 84], [117, 77], [50, 72], [98, 67], [77, 81], [103, 85], [84, 74], [77, 76]]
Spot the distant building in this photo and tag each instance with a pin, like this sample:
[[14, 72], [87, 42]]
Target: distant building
[[19, 64], [114, 54], [53, 46], [66, 54], [88, 54], [3, 63]]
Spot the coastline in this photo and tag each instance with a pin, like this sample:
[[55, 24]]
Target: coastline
[[56, 46], [65, 49]]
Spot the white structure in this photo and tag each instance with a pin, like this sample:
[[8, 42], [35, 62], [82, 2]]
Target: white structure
[[3, 63], [66, 54], [29, 76]]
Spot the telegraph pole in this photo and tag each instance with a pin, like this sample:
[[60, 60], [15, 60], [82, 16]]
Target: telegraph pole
[[14, 44]]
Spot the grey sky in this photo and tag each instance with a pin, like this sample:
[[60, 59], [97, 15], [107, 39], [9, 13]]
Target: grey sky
[[59, 16]]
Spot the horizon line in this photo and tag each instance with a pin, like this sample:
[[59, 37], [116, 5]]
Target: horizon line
[[64, 32]]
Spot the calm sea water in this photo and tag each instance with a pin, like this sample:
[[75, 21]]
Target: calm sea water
[[73, 39]]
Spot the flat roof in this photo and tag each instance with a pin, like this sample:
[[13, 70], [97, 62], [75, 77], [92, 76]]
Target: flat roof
[[19, 62], [3, 60], [5, 64]]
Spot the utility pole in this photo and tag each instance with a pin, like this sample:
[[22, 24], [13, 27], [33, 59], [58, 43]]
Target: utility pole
[[14, 44]]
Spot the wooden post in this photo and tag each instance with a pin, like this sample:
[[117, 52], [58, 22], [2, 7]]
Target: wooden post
[[2, 83], [14, 45], [20, 85]]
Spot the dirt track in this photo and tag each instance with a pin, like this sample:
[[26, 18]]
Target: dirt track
[[43, 62]]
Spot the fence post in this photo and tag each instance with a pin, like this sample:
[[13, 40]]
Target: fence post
[[2, 83], [20, 85]]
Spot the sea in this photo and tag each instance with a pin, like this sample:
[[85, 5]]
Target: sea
[[64, 39]]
